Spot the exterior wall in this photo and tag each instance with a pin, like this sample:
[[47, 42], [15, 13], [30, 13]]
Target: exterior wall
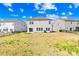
[[12, 26], [39, 24], [20, 26], [64, 25], [72, 25], [58, 25], [6, 26]]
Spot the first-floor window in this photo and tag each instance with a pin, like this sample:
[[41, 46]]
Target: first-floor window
[[47, 29], [11, 30], [5, 29], [0, 30], [39, 29]]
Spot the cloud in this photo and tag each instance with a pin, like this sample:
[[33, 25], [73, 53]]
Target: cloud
[[1, 19], [30, 17], [21, 9], [23, 16], [8, 4], [70, 6], [48, 6], [52, 16], [76, 5], [63, 13], [45, 6], [41, 12], [10, 9], [64, 17], [70, 13], [37, 6]]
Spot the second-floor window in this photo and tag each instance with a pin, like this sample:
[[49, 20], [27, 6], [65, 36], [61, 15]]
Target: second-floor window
[[78, 23], [31, 22], [12, 24], [49, 22], [47, 29], [0, 24], [71, 22]]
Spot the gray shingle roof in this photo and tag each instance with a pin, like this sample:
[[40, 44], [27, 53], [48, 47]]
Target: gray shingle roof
[[39, 19], [8, 20], [73, 20]]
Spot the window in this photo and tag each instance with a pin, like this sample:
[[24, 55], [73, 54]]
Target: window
[[49, 22], [5, 29], [30, 29], [41, 29], [0, 30], [78, 23], [12, 24], [71, 22], [24, 25], [37, 29], [47, 29], [11, 30], [31, 22]]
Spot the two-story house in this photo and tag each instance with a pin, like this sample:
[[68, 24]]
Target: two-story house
[[12, 25], [65, 24], [44, 24], [39, 25]]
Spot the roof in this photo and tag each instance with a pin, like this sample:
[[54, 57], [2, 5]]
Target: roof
[[71, 20], [39, 19], [8, 20]]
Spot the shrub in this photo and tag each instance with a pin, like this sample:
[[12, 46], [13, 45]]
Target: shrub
[[62, 30], [45, 31]]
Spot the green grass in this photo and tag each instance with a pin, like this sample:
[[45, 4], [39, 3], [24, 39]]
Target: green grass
[[70, 47]]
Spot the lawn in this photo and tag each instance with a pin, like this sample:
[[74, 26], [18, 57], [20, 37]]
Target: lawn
[[40, 44]]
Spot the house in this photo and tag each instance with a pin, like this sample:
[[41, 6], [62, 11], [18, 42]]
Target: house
[[65, 24], [39, 25], [12, 25], [44, 24]]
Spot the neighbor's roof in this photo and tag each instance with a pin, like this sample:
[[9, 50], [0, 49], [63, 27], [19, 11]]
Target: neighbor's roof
[[8, 20], [39, 19], [73, 20]]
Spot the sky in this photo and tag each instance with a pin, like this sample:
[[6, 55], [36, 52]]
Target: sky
[[25, 11]]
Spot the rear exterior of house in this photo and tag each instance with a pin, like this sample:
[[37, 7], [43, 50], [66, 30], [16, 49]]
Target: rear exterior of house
[[39, 25], [67, 25], [12, 25], [71, 25], [44, 24]]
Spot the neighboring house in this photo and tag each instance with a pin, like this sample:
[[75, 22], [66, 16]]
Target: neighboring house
[[71, 25], [68, 25], [12, 25], [39, 25]]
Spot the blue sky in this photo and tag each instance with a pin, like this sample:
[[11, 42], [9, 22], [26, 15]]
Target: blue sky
[[24, 11]]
